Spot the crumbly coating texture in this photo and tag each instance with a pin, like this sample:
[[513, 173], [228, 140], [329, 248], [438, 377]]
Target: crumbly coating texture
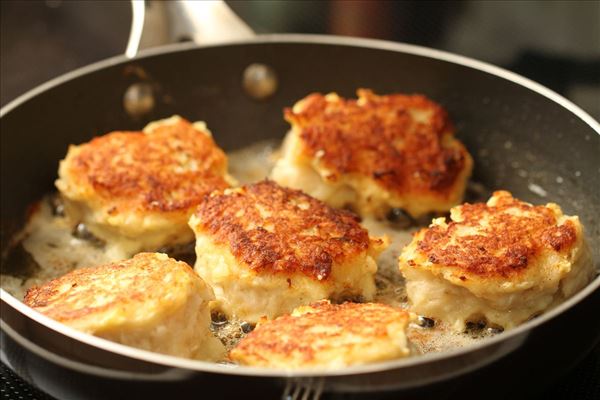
[[266, 249], [273, 229], [135, 302], [131, 183], [402, 144], [325, 335], [499, 239], [169, 169], [506, 253]]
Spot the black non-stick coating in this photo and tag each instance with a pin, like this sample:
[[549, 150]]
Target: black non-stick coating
[[517, 137], [520, 140]]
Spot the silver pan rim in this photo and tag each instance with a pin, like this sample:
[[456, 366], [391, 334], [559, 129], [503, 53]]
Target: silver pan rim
[[317, 39], [203, 366]]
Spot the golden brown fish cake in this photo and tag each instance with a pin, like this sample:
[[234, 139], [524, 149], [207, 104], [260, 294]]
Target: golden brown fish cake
[[328, 336], [266, 249], [504, 261], [150, 301], [142, 186], [374, 153]]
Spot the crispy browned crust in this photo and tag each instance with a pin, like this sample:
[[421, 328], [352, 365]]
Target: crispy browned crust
[[292, 334], [275, 229], [378, 137], [151, 172], [59, 301], [506, 246]]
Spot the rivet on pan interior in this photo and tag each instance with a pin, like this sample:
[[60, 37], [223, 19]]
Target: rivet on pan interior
[[259, 81], [138, 99]]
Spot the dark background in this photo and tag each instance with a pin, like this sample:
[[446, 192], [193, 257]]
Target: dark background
[[556, 43]]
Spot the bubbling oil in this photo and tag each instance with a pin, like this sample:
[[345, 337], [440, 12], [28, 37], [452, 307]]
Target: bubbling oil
[[51, 245]]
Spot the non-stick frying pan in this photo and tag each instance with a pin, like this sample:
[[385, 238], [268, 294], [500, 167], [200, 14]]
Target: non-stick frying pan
[[523, 137]]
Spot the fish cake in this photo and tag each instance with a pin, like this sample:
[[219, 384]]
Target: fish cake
[[149, 301], [266, 249], [374, 154], [328, 336], [140, 188], [503, 262]]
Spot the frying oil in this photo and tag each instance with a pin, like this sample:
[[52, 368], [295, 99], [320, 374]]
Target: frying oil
[[51, 247]]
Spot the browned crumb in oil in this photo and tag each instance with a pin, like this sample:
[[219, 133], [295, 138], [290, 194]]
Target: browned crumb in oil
[[229, 331], [390, 284]]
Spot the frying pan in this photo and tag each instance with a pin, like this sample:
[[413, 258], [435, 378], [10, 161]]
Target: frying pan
[[523, 137]]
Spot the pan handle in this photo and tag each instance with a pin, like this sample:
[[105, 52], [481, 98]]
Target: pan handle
[[155, 22]]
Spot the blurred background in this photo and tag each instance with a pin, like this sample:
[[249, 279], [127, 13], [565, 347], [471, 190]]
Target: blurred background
[[556, 43]]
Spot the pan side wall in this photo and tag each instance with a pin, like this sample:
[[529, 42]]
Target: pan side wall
[[521, 141]]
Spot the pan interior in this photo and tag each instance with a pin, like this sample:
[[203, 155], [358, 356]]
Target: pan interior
[[521, 141], [52, 245]]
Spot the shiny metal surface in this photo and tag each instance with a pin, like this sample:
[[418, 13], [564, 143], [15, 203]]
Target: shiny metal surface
[[139, 99], [156, 23], [23, 323], [259, 81]]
